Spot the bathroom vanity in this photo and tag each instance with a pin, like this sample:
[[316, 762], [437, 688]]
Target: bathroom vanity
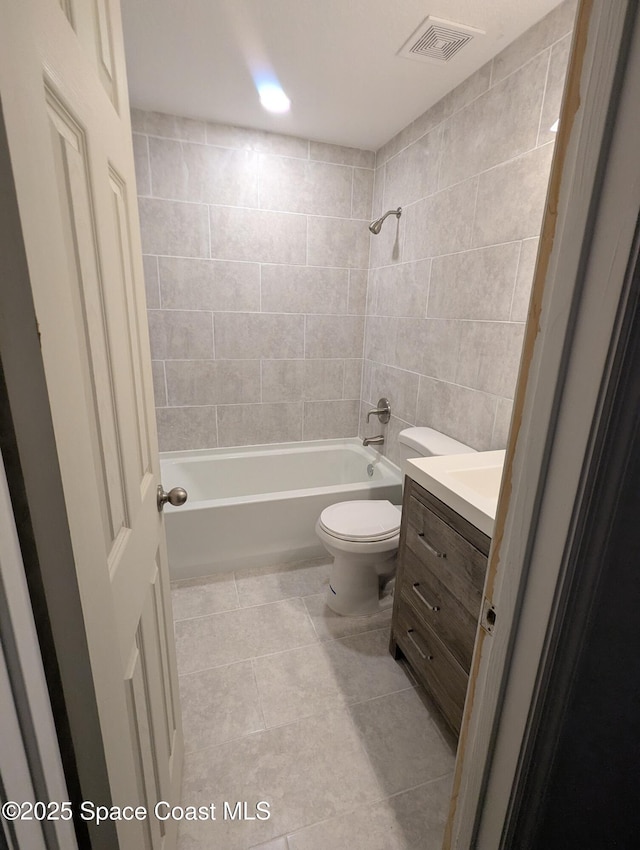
[[442, 562]]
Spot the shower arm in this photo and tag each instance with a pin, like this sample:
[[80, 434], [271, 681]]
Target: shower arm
[[376, 225]]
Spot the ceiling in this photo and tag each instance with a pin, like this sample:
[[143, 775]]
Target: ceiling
[[337, 60]]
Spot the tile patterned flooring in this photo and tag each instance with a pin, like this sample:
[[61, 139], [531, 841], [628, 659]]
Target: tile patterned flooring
[[285, 702]]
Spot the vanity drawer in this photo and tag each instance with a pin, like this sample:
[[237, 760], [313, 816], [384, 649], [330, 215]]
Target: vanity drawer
[[454, 624], [433, 665], [455, 561]]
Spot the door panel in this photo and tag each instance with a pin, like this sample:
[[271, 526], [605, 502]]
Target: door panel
[[76, 208], [92, 22], [152, 731], [135, 349], [137, 698]]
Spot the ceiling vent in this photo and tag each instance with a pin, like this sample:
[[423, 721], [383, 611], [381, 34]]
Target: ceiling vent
[[436, 40]]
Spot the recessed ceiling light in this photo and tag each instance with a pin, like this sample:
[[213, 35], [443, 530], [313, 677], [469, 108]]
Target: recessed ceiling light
[[554, 126], [273, 98]]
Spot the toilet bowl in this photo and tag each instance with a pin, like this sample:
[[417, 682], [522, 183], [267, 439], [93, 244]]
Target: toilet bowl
[[363, 536]]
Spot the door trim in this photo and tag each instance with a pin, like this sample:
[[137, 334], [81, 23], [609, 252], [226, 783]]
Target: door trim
[[585, 713], [30, 762], [574, 320]]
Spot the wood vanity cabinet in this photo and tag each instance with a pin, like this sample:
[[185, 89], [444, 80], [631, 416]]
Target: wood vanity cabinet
[[442, 562]]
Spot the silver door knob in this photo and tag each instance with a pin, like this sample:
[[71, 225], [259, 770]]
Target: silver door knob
[[176, 496]]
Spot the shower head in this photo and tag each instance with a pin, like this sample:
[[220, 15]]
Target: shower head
[[376, 225]]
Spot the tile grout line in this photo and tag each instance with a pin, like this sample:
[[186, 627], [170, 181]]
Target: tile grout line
[[319, 643], [515, 281], [219, 667], [241, 660], [244, 149], [166, 386], [493, 429], [353, 180], [246, 208], [148, 148], [473, 217], [544, 97], [345, 706], [259, 694], [158, 285], [344, 709], [274, 602], [432, 257], [363, 806], [309, 617], [236, 590], [493, 83]]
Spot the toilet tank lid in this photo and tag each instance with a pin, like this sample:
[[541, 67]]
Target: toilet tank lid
[[427, 442]]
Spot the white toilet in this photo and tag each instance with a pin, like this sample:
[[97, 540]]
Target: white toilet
[[363, 536]]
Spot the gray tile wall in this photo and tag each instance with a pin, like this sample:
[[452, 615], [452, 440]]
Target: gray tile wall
[[265, 291], [256, 253], [449, 282]]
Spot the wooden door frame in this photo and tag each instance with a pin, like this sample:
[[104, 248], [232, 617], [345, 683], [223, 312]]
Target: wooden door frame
[[30, 762], [28, 447], [577, 776], [579, 299]]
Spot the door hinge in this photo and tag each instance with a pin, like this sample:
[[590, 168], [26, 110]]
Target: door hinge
[[488, 620]]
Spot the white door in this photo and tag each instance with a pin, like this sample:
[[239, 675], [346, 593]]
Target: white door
[[65, 107]]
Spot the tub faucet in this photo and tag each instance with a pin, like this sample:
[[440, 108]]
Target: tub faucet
[[377, 441]]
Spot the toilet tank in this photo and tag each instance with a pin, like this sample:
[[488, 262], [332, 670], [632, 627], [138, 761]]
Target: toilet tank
[[426, 442]]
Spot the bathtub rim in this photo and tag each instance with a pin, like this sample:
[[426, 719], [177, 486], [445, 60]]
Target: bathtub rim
[[391, 472], [294, 447]]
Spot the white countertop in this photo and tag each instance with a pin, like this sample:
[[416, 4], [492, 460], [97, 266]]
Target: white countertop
[[468, 483]]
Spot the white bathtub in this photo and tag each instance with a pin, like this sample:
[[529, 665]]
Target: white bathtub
[[259, 505]]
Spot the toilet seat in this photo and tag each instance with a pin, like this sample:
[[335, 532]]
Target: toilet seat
[[364, 521]]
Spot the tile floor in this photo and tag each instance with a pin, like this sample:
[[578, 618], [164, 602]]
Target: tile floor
[[285, 702]]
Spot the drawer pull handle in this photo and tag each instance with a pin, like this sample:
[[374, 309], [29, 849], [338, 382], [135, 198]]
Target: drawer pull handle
[[415, 643], [430, 548], [431, 607]]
